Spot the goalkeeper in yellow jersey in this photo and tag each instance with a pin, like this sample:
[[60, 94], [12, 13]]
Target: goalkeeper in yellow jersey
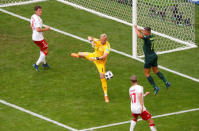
[[99, 57]]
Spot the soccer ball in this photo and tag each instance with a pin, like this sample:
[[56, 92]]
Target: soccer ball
[[108, 75]]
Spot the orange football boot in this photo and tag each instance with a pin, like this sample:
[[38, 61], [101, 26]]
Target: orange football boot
[[74, 55], [106, 99]]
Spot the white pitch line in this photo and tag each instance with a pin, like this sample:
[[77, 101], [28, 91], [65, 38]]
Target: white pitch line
[[125, 122], [21, 3], [113, 50], [37, 115], [159, 66], [124, 22]]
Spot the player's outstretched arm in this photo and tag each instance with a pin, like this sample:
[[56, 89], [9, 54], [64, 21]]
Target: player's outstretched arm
[[42, 30], [90, 39], [146, 94], [138, 32]]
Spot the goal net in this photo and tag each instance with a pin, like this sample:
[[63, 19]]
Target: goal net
[[172, 21]]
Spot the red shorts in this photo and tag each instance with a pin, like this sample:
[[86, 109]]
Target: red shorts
[[145, 115], [42, 44]]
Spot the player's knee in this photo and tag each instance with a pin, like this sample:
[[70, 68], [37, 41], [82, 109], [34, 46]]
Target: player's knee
[[150, 121], [81, 54], [45, 51], [134, 119], [102, 76], [156, 71], [147, 74]]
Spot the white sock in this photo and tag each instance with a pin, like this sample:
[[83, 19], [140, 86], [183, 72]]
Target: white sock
[[153, 128], [133, 123], [41, 58]]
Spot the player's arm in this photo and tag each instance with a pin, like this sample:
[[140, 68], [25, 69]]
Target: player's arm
[[146, 94], [47, 28], [141, 101], [92, 41], [104, 56], [138, 32]]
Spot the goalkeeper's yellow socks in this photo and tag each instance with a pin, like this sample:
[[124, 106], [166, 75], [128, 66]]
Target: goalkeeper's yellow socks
[[151, 81], [75, 55], [104, 87], [161, 76]]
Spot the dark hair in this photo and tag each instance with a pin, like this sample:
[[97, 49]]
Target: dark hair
[[134, 79], [148, 29], [37, 7]]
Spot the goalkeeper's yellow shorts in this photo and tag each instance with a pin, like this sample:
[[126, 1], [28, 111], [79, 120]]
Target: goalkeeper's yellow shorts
[[100, 64]]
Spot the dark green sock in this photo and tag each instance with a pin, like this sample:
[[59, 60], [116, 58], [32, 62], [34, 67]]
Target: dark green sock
[[151, 81], [161, 76]]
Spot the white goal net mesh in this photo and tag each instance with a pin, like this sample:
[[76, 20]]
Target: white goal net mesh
[[172, 21], [170, 18]]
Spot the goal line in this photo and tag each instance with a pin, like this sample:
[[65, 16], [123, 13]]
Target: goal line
[[113, 50], [189, 44]]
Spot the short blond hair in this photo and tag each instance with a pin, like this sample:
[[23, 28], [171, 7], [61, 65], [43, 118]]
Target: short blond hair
[[104, 35]]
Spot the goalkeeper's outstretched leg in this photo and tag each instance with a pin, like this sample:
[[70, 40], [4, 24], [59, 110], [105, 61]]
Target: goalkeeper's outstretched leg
[[99, 57], [100, 67]]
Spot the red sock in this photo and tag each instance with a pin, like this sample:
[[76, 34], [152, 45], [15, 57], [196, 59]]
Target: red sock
[[45, 53], [152, 125]]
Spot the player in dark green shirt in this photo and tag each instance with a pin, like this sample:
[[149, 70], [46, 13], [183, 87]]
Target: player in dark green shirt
[[151, 57]]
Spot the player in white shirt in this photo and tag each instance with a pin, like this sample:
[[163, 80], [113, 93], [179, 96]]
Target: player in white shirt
[[137, 104], [37, 37]]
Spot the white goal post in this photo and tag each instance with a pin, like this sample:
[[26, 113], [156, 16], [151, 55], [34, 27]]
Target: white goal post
[[134, 22], [172, 21], [173, 32]]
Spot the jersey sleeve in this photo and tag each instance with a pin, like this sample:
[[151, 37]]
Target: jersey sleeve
[[32, 22], [95, 41], [129, 91], [140, 90], [107, 49], [37, 23]]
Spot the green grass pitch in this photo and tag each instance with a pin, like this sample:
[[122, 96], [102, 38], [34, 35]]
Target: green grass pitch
[[70, 92]]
